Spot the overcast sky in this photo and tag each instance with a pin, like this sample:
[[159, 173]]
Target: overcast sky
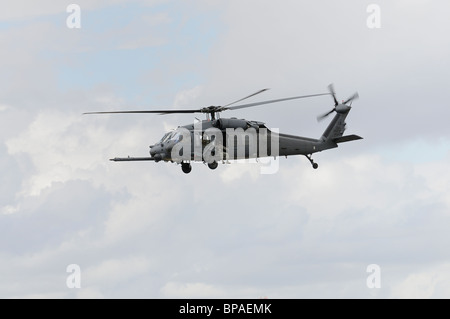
[[146, 230]]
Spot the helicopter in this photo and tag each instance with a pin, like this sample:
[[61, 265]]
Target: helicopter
[[217, 139]]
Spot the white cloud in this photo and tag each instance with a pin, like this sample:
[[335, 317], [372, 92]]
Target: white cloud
[[57, 154], [190, 290], [236, 170], [113, 272], [437, 177], [22, 9], [4, 107], [430, 283], [186, 97], [89, 293], [9, 209], [147, 229], [65, 147]]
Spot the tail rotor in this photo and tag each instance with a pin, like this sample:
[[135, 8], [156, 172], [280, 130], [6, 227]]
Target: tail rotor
[[338, 108]]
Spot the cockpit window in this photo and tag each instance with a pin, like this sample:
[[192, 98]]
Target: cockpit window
[[176, 137], [172, 136], [166, 137]]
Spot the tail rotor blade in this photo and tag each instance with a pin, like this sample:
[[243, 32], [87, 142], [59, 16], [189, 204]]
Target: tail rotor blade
[[323, 116], [353, 97], [333, 93]]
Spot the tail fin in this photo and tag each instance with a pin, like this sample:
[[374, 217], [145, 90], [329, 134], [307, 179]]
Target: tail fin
[[335, 130]]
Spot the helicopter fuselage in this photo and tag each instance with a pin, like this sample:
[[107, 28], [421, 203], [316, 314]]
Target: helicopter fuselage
[[235, 139]]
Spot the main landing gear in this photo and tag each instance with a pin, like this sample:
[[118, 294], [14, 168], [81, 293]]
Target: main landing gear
[[314, 164], [186, 168], [213, 165]]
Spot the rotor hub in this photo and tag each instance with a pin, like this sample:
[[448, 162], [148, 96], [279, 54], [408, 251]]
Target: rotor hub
[[342, 108]]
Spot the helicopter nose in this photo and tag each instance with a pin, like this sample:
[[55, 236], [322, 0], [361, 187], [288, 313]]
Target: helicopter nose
[[157, 152], [153, 150]]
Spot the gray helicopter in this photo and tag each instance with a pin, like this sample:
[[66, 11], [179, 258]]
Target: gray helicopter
[[219, 139]]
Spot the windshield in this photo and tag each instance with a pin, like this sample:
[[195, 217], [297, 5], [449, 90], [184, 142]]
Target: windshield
[[176, 137], [166, 137], [172, 136]]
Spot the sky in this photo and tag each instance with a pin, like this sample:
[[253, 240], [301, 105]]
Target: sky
[[146, 230]]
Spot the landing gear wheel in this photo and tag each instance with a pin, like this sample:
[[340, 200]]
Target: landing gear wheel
[[213, 165], [314, 165], [186, 168]]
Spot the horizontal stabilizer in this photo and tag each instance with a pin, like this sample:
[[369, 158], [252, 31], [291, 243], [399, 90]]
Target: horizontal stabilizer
[[347, 138], [131, 159]]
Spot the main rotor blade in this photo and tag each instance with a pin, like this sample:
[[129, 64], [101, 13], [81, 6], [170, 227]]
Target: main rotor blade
[[260, 91], [271, 101], [211, 109], [353, 97], [321, 117], [333, 93], [145, 112]]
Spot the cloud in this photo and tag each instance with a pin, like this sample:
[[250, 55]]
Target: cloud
[[237, 245], [23, 9], [190, 290], [185, 97], [37, 223], [113, 272], [89, 293], [148, 230], [309, 47], [430, 283]]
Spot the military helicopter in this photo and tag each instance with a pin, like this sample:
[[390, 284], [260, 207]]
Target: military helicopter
[[219, 139]]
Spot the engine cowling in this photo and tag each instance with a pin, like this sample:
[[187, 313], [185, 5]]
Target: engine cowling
[[231, 123]]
